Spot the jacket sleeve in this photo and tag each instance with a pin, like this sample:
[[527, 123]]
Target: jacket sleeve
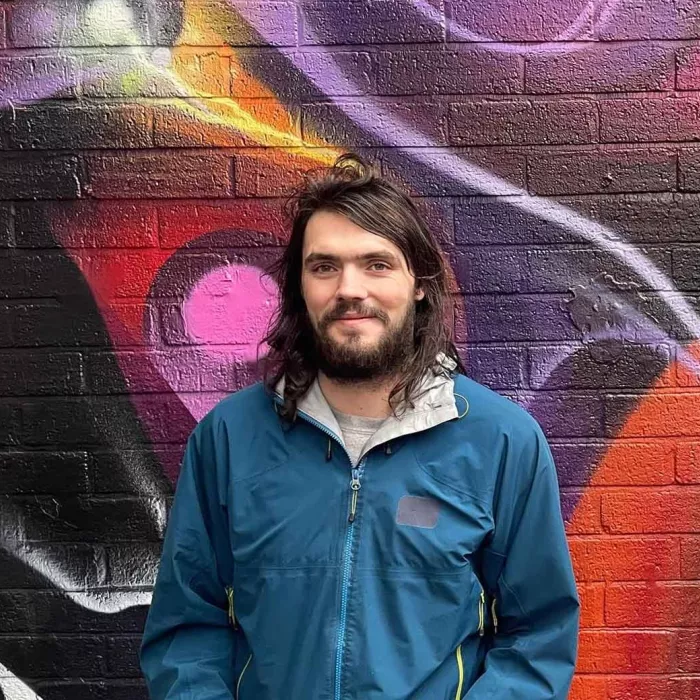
[[527, 569], [188, 649]]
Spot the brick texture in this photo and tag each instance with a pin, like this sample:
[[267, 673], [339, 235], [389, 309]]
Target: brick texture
[[602, 69], [146, 151], [507, 123]]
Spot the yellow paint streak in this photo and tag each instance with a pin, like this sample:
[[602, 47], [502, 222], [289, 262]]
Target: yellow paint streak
[[227, 113], [264, 120]]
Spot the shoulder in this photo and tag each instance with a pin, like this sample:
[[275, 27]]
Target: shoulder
[[504, 430], [240, 411], [496, 414], [236, 429]]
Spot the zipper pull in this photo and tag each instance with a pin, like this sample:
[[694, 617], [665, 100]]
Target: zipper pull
[[493, 616], [231, 613], [355, 486], [482, 603]]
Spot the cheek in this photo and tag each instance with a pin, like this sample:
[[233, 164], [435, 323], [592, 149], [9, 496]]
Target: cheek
[[394, 295], [316, 297]]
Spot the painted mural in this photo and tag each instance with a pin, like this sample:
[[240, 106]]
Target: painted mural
[[146, 147]]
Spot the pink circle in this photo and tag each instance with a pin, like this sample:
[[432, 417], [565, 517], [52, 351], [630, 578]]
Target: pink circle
[[230, 306]]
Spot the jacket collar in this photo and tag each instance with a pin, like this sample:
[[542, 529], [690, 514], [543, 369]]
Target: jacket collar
[[435, 404]]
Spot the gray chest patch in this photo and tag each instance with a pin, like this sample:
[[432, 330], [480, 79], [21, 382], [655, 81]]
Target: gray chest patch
[[417, 511]]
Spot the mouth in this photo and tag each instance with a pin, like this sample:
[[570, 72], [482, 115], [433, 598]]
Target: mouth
[[354, 319]]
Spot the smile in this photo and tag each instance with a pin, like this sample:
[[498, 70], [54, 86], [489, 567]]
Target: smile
[[354, 319]]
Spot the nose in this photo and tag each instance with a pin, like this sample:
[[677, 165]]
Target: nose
[[351, 284]]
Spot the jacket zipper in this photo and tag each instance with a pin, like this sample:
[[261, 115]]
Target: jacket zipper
[[355, 485], [493, 615], [234, 624], [458, 652], [460, 671], [347, 566]]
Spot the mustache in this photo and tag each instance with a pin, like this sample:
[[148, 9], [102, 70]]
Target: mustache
[[343, 308]]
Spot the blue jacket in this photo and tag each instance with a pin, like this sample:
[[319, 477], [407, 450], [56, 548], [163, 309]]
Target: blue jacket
[[437, 569]]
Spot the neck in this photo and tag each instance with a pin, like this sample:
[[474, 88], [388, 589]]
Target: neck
[[366, 399]]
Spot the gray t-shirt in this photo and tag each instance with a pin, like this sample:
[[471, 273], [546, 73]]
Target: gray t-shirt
[[357, 430]]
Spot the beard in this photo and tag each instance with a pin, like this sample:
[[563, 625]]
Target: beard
[[351, 360]]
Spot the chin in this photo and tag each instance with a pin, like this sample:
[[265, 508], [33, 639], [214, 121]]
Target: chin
[[366, 340]]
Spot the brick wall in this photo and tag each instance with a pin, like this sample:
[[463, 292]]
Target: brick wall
[[145, 146]]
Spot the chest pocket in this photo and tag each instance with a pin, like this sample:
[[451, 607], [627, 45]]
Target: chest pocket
[[286, 516], [413, 522]]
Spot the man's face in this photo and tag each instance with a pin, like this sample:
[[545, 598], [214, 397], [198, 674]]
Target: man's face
[[360, 297]]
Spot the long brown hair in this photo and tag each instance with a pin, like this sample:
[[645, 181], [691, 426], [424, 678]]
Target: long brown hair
[[351, 187]]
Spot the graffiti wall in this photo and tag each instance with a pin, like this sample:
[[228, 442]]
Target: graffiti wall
[[145, 148]]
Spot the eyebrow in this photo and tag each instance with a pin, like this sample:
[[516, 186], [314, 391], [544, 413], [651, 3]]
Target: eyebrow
[[313, 258]]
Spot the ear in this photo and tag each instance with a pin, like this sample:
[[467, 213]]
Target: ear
[[419, 294]]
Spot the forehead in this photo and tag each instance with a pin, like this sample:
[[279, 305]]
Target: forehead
[[334, 234]]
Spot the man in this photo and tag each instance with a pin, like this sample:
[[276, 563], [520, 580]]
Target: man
[[369, 523]]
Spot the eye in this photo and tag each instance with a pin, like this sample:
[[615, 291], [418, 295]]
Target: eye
[[379, 266], [323, 268]]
